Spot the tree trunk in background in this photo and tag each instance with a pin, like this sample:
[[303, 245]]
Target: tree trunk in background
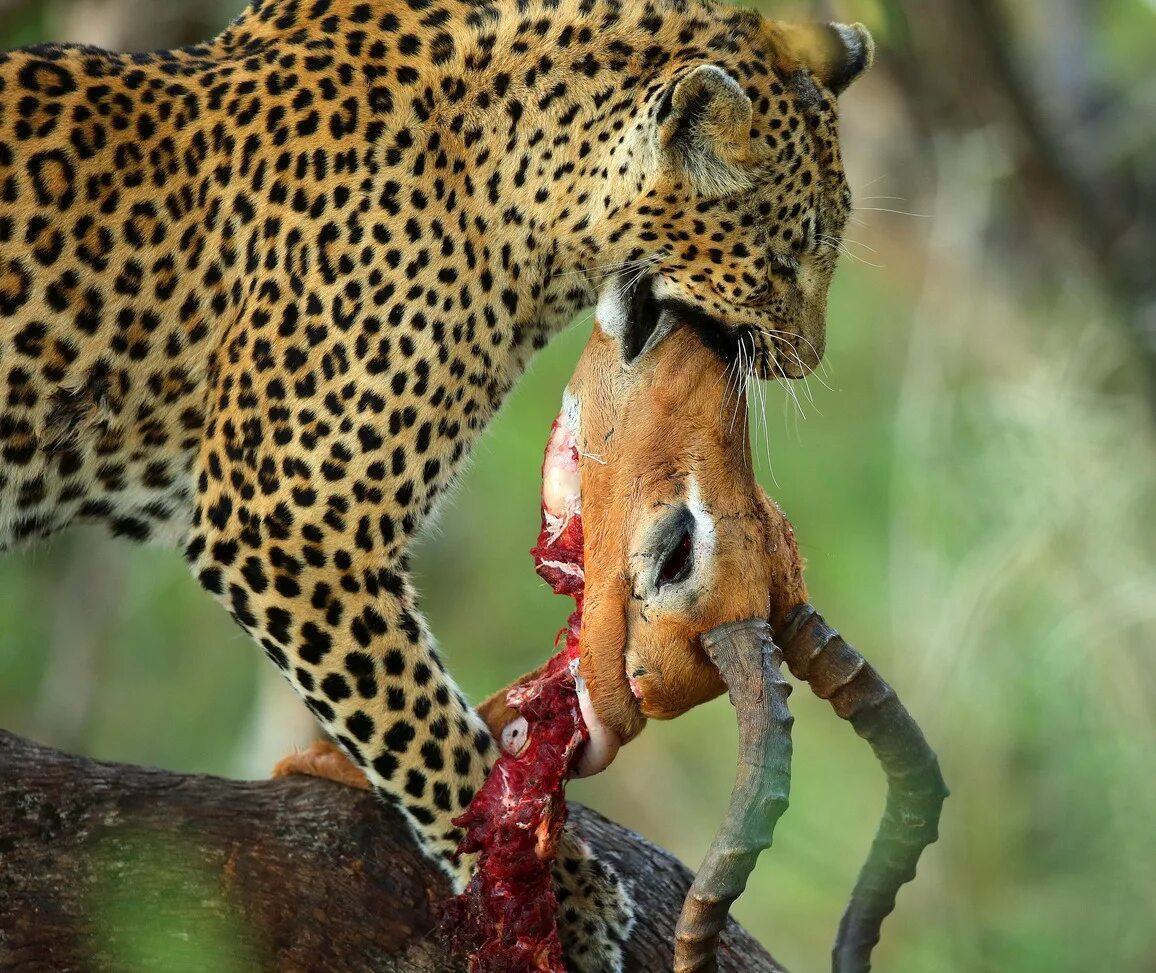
[[138, 25], [105, 867], [1084, 186]]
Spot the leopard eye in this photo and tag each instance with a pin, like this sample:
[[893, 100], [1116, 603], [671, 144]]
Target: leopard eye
[[786, 265]]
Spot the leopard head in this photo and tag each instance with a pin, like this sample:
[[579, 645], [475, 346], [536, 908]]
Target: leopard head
[[730, 198]]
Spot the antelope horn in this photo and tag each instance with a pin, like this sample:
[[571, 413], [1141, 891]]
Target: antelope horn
[[749, 663], [915, 787]]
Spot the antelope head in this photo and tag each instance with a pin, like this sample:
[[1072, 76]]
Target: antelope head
[[679, 538]]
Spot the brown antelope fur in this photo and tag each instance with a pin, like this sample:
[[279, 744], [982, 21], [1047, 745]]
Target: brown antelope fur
[[665, 464], [259, 296], [664, 453]]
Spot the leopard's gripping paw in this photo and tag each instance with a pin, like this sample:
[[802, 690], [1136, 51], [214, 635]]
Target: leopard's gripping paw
[[595, 909]]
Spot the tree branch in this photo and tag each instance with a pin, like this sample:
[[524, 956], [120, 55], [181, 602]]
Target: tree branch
[[297, 874]]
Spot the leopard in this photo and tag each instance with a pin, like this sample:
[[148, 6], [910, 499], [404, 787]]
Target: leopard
[[259, 296]]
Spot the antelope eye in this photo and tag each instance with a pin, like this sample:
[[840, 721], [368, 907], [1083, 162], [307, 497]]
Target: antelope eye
[[669, 551], [677, 563]]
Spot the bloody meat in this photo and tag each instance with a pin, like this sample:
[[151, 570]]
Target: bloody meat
[[506, 920]]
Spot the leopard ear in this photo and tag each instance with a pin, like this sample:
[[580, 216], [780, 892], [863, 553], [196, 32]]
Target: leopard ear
[[704, 123], [835, 54]]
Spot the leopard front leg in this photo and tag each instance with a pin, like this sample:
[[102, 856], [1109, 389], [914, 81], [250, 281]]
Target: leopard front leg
[[341, 624]]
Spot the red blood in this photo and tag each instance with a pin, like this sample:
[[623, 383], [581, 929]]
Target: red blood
[[505, 921]]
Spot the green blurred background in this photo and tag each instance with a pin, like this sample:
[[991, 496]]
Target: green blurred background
[[971, 478]]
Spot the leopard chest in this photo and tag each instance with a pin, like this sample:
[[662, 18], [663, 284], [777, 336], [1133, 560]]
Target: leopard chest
[[138, 481]]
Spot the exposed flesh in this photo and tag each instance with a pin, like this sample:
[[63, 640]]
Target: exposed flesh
[[505, 921]]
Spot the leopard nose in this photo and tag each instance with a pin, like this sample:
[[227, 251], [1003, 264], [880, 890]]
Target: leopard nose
[[803, 359], [790, 368]]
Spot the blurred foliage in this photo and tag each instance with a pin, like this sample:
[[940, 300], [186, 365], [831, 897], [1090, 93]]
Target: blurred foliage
[[146, 893], [973, 487]]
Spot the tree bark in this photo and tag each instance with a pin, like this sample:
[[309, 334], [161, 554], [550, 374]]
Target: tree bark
[[105, 865]]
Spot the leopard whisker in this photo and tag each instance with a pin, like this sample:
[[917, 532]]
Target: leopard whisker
[[762, 393], [608, 270], [839, 246], [897, 212], [859, 243], [775, 334], [738, 398]]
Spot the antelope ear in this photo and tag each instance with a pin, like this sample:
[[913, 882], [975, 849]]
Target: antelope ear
[[704, 121], [835, 54]]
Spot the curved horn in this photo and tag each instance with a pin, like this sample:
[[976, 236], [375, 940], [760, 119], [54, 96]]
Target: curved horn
[[915, 788], [749, 663]]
